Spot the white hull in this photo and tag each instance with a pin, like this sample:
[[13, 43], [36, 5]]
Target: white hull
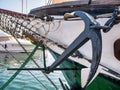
[[9, 44], [69, 30], [13, 46]]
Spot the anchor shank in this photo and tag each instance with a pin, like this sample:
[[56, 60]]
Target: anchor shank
[[81, 39]]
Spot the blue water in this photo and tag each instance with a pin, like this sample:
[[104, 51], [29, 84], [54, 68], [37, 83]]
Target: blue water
[[26, 81]]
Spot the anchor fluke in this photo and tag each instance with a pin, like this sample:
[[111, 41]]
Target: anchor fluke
[[85, 76]]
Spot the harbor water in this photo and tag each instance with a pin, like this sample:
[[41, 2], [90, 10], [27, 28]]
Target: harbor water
[[28, 80]]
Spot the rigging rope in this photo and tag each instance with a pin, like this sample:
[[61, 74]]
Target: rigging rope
[[37, 65], [28, 55], [39, 81], [16, 24]]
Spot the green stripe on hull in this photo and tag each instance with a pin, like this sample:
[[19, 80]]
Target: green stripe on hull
[[73, 77]]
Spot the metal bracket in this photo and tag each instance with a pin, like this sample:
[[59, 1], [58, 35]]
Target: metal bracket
[[111, 22]]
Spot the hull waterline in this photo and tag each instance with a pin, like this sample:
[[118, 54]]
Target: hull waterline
[[74, 80]]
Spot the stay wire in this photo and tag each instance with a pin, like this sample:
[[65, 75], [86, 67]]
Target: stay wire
[[28, 55], [40, 67], [36, 64], [33, 61]]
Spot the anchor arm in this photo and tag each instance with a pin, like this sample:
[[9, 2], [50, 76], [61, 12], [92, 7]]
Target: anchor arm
[[72, 48], [94, 34], [96, 56]]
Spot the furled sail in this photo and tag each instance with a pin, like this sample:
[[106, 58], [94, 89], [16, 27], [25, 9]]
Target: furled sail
[[60, 7], [89, 1], [60, 1]]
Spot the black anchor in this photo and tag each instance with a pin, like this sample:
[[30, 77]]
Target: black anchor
[[91, 32]]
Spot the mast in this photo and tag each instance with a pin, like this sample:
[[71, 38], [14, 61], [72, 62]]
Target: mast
[[22, 6], [26, 6]]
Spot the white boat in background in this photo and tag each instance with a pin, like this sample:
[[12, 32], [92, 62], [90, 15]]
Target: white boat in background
[[9, 44]]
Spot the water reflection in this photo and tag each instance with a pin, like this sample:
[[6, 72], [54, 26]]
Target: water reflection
[[25, 81]]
